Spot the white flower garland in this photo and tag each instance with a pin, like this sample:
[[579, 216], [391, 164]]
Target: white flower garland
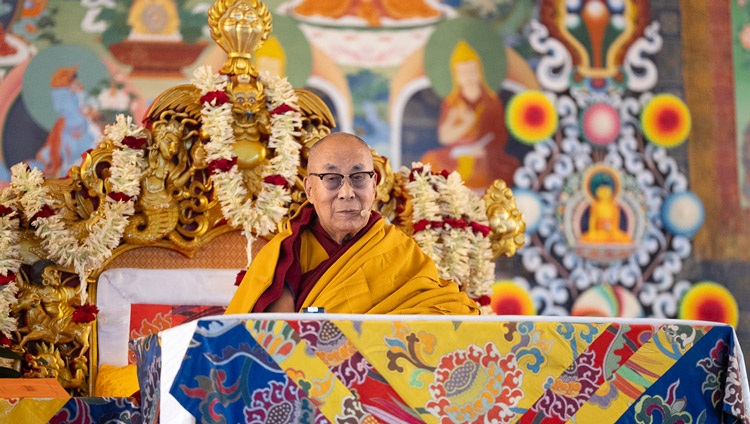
[[126, 170], [450, 225], [257, 216], [10, 261]]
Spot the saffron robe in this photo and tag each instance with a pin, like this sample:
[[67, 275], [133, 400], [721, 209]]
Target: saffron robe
[[383, 272]]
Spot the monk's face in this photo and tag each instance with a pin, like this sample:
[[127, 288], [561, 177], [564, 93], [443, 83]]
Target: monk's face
[[344, 210], [468, 75]]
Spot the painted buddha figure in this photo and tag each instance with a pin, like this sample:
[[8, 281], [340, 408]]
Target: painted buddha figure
[[604, 218]]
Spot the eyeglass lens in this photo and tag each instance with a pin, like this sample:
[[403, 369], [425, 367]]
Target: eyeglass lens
[[335, 181]]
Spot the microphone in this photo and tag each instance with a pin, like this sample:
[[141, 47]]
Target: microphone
[[364, 213]]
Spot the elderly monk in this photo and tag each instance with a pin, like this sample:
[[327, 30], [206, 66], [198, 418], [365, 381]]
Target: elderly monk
[[338, 254]]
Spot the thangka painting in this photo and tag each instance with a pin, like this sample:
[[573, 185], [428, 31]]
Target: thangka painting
[[563, 100]]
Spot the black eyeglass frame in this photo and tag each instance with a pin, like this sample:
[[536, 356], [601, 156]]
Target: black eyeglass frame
[[371, 174]]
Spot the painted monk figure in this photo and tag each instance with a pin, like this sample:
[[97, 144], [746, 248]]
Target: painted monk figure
[[471, 126], [339, 254]]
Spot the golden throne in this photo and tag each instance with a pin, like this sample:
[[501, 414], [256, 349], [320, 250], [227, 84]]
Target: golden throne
[[190, 195]]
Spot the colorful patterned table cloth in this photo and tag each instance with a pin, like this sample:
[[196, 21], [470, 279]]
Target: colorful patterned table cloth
[[69, 410], [279, 368]]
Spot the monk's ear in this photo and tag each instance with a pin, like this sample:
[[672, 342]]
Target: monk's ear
[[308, 189]]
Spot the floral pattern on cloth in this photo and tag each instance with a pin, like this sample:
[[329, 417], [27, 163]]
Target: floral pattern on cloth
[[452, 371], [147, 351], [98, 410]]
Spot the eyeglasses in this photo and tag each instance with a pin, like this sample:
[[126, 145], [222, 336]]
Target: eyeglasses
[[334, 181]]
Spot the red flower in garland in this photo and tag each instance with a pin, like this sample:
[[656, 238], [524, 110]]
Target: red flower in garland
[[5, 341], [283, 108], [215, 98], [456, 222], [421, 225], [85, 313], [240, 276], [483, 300], [6, 279], [46, 212], [222, 165], [4, 210], [276, 179], [119, 197], [417, 170], [134, 143], [479, 228]]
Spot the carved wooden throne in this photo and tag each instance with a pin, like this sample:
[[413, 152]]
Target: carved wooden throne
[[186, 211]]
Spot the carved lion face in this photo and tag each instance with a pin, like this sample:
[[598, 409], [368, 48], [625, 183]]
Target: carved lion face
[[247, 98]]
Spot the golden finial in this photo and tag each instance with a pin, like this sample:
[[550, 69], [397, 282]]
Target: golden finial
[[239, 27]]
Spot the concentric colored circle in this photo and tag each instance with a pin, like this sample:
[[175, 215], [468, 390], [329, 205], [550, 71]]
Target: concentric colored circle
[[508, 298], [666, 120], [600, 124], [683, 214], [530, 204], [531, 117], [605, 300], [709, 301]]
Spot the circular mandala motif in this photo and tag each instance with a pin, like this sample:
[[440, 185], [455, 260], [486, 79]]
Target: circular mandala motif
[[683, 214], [531, 117], [666, 120], [508, 298], [600, 124], [709, 301]]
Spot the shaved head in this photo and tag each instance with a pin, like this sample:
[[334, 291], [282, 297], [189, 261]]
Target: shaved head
[[335, 138]]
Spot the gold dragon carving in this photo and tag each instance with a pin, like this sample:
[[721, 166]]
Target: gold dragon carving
[[176, 208]]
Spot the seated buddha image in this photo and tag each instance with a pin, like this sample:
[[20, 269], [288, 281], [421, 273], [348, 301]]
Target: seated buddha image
[[604, 220], [374, 12], [603, 213]]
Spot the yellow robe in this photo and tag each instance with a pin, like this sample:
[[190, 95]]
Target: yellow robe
[[384, 272]]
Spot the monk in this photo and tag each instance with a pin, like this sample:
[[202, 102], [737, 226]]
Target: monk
[[338, 254], [471, 126]]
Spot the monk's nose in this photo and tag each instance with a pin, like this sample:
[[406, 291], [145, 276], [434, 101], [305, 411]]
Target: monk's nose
[[346, 191]]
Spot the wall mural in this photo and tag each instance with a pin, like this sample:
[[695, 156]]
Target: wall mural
[[741, 55], [558, 98], [613, 212]]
